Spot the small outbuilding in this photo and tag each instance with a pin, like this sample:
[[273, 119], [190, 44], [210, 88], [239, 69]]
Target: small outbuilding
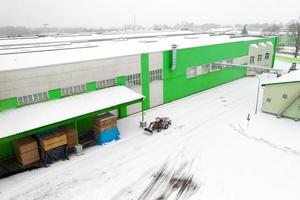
[[282, 96]]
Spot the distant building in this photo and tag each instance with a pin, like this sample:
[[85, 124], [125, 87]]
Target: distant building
[[282, 96], [76, 75]]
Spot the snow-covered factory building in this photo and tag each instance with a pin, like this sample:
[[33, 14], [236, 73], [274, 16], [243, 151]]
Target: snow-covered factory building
[[48, 82]]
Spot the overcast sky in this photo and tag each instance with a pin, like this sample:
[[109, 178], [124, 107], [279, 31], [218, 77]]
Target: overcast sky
[[111, 13]]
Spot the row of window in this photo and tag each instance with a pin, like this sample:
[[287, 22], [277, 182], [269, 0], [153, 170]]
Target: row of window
[[81, 88], [204, 69], [156, 75], [197, 70], [130, 81], [43, 96], [33, 98], [133, 80], [73, 90], [106, 83], [284, 96], [259, 58]]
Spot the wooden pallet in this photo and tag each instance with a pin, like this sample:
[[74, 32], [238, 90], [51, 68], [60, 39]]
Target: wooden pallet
[[52, 140], [26, 150]]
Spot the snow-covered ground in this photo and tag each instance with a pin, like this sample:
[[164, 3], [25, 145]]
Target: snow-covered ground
[[210, 152]]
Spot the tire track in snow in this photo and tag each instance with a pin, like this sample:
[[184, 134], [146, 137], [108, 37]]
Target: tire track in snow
[[190, 132], [284, 149]]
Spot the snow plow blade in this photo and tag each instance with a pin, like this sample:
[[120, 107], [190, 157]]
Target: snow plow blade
[[148, 131]]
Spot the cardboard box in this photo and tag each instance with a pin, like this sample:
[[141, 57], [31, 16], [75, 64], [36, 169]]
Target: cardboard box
[[26, 150], [28, 157], [25, 144], [52, 140]]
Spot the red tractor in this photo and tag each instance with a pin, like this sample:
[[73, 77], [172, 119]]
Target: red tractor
[[159, 124]]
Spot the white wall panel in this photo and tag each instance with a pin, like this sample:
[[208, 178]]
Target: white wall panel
[[156, 93], [135, 107], [25, 82], [155, 60]]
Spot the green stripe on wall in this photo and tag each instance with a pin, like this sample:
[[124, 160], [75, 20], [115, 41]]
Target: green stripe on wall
[[54, 94], [9, 103], [120, 80], [91, 86], [275, 41], [145, 80]]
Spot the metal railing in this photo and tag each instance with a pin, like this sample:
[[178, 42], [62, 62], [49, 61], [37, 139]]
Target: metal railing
[[253, 68]]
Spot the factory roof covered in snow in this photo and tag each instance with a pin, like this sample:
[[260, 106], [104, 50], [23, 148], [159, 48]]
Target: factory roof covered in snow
[[52, 50], [293, 76]]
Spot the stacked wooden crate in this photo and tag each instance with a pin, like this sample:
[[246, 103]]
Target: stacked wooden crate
[[103, 123], [53, 140], [26, 150], [71, 135]]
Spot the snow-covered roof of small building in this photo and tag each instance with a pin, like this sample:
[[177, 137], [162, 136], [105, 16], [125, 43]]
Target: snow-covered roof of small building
[[293, 76], [30, 55], [42, 114]]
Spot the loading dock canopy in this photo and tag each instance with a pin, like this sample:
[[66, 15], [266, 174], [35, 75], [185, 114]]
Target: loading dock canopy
[[42, 114]]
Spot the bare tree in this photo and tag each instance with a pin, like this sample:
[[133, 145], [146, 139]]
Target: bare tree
[[244, 31], [294, 30], [272, 29]]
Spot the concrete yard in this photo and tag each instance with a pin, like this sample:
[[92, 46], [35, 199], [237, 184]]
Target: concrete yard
[[209, 141]]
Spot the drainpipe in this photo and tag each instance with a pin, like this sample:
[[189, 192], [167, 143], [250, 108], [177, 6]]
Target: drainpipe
[[174, 49]]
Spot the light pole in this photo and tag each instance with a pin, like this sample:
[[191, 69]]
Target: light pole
[[257, 94]]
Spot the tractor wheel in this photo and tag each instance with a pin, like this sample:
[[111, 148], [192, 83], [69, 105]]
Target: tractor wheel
[[166, 126]]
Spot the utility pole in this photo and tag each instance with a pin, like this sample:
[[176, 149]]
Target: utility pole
[[257, 94]]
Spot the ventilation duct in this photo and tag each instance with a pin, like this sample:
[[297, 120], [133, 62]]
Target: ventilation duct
[[174, 49]]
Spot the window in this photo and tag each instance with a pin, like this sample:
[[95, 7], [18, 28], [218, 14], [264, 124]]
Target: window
[[73, 90], [133, 80], [190, 72], [215, 67], [156, 75], [33, 98], [284, 96], [267, 56], [268, 100], [106, 83], [259, 57], [252, 58], [204, 69]]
